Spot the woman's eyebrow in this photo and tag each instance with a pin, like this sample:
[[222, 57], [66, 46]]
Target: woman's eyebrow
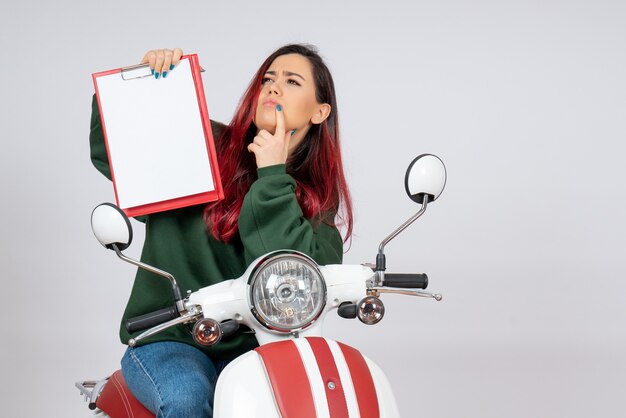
[[287, 73]]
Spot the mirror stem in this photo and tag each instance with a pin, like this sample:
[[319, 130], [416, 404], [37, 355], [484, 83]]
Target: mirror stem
[[380, 257], [175, 289]]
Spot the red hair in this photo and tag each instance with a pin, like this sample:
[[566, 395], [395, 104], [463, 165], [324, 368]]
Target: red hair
[[315, 164]]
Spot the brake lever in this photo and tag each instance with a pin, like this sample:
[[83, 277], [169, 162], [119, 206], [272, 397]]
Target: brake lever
[[379, 289]]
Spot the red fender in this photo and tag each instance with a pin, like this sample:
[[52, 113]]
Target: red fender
[[296, 393]]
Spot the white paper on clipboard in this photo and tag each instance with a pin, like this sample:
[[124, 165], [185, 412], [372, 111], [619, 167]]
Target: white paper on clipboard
[[155, 136]]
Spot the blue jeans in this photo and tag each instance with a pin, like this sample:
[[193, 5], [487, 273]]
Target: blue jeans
[[172, 379]]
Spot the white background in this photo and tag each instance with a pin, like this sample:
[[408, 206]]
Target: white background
[[523, 100]]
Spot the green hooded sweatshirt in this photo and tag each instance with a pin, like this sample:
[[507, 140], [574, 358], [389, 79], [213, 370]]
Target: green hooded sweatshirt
[[178, 242]]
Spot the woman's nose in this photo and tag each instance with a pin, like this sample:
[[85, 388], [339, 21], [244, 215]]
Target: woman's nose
[[275, 89]]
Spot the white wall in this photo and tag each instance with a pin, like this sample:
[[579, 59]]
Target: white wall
[[524, 101]]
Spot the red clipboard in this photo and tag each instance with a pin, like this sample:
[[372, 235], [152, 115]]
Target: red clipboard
[[158, 137]]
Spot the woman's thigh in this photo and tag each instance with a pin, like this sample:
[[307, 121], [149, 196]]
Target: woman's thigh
[[171, 379]]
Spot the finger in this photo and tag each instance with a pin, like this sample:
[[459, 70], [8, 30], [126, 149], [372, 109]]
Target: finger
[[280, 122], [167, 61], [158, 66], [150, 59], [176, 57], [288, 136], [259, 140], [146, 58], [253, 148], [266, 135]]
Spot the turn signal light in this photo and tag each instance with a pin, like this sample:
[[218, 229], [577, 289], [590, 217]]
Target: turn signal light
[[370, 310], [207, 332]]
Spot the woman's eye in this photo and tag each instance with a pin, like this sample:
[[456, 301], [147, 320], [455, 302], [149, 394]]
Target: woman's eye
[[266, 80], [294, 82]]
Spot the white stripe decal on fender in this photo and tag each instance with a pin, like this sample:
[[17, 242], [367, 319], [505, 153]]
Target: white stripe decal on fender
[[315, 377], [346, 379]]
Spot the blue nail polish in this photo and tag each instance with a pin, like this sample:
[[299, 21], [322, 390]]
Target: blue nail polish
[[171, 67], [293, 132], [152, 69], [279, 108], [156, 75], [164, 74]]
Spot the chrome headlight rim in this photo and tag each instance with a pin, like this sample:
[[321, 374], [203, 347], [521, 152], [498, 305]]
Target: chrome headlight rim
[[259, 267]]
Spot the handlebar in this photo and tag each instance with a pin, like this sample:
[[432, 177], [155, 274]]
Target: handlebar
[[406, 280], [151, 319]]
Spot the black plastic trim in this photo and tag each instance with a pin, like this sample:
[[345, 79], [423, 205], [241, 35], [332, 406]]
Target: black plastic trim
[[229, 327], [347, 310]]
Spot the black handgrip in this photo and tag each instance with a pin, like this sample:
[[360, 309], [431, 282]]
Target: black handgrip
[[406, 280], [151, 319]]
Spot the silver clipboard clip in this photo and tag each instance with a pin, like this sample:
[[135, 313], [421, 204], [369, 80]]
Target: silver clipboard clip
[[139, 71]]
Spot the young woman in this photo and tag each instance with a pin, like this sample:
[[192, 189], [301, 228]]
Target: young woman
[[283, 181]]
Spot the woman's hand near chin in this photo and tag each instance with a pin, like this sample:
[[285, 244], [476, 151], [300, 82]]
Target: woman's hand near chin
[[162, 60], [270, 149]]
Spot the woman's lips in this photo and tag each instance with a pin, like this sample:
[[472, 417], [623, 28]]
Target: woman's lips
[[270, 103]]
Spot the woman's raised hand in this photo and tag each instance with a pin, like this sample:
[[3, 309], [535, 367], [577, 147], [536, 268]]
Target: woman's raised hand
[[271, 149], [162, 60]]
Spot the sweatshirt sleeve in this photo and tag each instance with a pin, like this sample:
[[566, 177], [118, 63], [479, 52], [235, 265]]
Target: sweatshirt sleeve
[[271, 219], [97, 146]]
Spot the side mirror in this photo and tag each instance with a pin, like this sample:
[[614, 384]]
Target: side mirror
[[424, 181], [111, 226], [425, 176]]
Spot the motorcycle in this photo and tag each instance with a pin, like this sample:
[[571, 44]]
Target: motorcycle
[[283, 298]]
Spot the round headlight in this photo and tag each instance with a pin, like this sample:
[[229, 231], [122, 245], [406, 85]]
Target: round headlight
[[287, 291]]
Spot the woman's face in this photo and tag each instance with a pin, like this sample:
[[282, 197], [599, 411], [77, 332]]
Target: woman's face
[[289, 82]]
